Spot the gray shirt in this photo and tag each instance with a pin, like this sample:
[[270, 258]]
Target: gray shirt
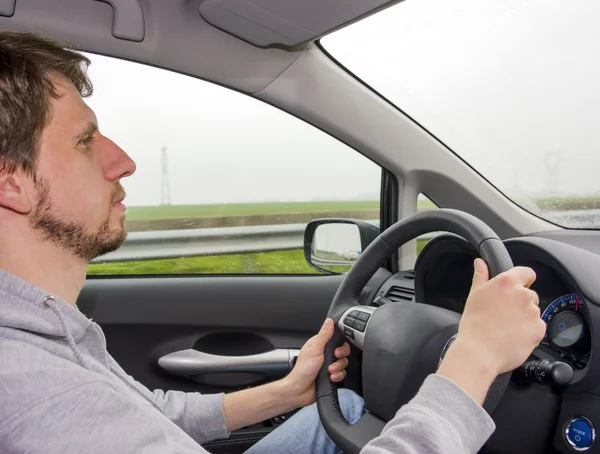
[[62, 392]]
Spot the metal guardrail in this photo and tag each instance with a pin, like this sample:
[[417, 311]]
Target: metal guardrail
[[163, 244]]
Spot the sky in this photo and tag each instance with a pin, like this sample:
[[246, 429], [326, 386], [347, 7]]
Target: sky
[[512, 86], [222, 146], [338, 238]]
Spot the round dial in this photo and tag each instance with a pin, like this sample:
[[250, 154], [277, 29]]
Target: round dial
[[566, 328], [565, 323]]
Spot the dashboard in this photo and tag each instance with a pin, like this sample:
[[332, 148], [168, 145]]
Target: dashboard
[[567, 329], [532, 417], [443, 278]]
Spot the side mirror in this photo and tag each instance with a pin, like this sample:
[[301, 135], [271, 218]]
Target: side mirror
[[333, 245]]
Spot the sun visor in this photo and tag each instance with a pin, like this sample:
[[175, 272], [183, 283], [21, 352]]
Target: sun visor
[[285, 22], [7, 7]]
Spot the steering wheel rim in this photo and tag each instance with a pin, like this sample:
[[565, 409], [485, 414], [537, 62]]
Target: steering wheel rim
[[351, 439]]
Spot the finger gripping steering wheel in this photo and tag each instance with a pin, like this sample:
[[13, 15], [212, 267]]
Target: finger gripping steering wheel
[[401, 342]]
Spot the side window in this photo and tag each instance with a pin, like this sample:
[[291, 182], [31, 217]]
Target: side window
[[225, 184]]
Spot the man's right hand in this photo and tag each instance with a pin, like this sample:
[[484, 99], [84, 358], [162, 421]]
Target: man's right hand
[[499, 329]]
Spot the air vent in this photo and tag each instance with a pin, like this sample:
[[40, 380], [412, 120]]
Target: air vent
[[400, 293]]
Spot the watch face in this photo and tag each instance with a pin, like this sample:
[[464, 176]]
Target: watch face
[[446, 347]]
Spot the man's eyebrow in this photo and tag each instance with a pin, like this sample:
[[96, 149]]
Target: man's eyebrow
[[87, 132]]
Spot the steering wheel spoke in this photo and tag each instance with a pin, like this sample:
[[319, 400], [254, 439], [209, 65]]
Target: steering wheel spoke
[[353, 324]]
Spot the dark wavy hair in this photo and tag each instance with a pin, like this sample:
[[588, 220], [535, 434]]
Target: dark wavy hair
[[28, 65]]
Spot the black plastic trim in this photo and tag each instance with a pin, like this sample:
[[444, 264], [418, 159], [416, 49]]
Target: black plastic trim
[[389, 211]]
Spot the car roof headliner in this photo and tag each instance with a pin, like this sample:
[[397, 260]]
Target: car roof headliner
[[193, 37]]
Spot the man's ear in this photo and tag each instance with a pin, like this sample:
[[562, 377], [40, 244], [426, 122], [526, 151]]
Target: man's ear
[[15, 191]]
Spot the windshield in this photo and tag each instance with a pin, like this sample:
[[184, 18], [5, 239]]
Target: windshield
[[511, 86]]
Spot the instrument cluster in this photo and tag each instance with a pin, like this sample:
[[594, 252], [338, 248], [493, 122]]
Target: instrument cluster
[[567, 330]]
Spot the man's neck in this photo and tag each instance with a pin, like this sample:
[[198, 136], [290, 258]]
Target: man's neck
[[52, 269]]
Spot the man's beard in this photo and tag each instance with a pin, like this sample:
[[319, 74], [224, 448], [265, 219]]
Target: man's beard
[[73, 236]]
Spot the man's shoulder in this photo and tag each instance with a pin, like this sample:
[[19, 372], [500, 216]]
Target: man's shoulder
[[20, 355], [30, 374]]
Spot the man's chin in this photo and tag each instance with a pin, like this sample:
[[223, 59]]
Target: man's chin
[[75, 236], [110, 243]]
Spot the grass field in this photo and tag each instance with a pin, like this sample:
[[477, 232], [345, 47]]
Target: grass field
[[568, 203], [280, 262]]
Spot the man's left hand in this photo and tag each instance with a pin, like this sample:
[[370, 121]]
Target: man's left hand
[[301, 381]]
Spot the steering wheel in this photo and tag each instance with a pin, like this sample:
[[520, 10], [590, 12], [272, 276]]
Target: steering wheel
[[401, 342]]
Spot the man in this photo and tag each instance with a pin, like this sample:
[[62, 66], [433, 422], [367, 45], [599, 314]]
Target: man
[[61, 206]]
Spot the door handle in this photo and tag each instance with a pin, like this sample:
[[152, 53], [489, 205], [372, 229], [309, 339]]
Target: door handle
[[192, 362]]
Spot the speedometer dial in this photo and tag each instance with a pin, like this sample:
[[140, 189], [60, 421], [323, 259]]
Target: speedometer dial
[[564, 321], [566, 329]]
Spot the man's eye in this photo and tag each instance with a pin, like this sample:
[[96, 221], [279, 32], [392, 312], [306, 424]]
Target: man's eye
[[86, 141]]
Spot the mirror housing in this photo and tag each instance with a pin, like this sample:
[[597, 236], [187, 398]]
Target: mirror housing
[[332, 245]]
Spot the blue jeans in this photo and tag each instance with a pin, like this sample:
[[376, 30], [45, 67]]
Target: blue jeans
[[303, 432]]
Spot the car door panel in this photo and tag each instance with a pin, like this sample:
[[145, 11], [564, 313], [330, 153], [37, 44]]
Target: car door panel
[[147, 318]]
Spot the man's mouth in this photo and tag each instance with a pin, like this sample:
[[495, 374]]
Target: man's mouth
[[119, 197]]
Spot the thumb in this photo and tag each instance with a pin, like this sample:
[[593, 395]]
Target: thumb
[[481, 274], [324, 335]]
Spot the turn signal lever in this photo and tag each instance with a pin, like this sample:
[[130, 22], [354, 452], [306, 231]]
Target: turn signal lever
[[547, 372]]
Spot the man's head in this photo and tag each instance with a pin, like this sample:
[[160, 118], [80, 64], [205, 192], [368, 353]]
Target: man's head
[[59, 176]]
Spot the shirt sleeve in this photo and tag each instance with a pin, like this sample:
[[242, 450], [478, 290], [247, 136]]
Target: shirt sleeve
[[441, 419], [201, 416]]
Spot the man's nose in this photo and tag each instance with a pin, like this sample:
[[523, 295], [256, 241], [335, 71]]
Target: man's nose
[[118, 164]]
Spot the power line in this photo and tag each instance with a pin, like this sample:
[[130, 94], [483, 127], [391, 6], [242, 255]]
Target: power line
[[165, 189], [552, 161]]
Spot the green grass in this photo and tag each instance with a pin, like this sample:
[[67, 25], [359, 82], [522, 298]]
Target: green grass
[[280, 262], [568, 203]]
